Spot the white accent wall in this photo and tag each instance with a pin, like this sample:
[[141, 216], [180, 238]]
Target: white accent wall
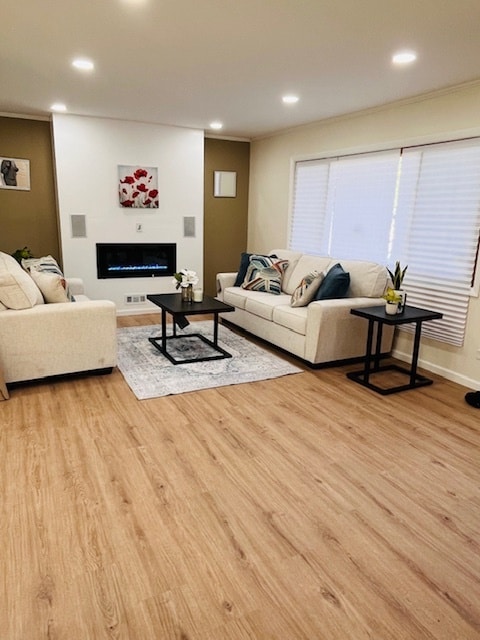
[[87, 154], [446, 115]]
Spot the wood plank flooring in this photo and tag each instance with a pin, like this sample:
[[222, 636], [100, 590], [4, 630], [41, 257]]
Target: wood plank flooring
[[305, 507]]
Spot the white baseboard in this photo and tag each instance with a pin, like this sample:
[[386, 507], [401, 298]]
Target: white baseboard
[[138, 312], [470, 383]]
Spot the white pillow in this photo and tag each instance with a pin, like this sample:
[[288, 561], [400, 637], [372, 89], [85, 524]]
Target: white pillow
[[52, 285], [17, 289]]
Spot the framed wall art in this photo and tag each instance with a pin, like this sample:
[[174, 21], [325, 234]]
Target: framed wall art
[[225, 184], [138, 187], [14, 173]]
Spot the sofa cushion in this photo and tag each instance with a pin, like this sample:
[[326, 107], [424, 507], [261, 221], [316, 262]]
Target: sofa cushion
[[335, 284], [265, 274], [306, 290], [293, 318], [306, 264], [52, 285], [243, 267], [263, 304], [367, 279], [235, 296], [17, 289]]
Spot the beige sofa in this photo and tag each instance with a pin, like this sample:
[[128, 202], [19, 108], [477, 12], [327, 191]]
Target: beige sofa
[[39, 339], [322, 332]]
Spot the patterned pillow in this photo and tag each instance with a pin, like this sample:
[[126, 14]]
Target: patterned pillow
[[265, 273], [306, 290], [47, 264], [244, 264]]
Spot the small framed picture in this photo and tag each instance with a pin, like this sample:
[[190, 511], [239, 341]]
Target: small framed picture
[[14, 173], [225, 184]]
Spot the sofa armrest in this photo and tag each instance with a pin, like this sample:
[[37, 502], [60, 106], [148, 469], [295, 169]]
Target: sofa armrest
[[225, 280], [58, 338], [333, 333], [76, 286]]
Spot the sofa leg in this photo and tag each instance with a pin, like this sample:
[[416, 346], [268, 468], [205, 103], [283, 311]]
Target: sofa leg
[[4, 395]]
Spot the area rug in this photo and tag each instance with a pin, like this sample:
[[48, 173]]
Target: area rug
[[150, 374]]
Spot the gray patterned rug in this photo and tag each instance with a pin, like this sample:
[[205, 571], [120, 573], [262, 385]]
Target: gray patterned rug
[[150, 374]]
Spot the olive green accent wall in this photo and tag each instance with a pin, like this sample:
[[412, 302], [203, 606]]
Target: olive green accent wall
[[225, 219], [29, 218]]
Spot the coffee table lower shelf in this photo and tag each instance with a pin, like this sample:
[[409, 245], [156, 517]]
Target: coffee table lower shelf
[[218, 355]]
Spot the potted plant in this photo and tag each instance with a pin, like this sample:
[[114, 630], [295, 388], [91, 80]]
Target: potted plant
[[185, 279], [392, 300], [397, 277], [20, 254]]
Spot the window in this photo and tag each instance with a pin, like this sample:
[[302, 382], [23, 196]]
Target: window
[[419, 205]]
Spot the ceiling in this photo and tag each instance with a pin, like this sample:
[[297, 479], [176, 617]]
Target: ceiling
[[188, 62]]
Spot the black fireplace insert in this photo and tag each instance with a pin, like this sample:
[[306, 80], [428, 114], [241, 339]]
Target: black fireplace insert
[[136, 260]]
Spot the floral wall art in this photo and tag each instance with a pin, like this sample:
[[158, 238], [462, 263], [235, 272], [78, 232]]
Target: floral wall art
[[138, 187]]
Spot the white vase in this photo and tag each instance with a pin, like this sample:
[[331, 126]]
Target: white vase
[[391, 308], [403, 300]]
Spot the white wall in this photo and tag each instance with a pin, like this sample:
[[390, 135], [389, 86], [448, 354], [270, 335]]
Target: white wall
[[87, 154], [444, 116]]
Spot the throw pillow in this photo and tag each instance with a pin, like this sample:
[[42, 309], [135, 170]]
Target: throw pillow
[[335, 284], [52, 285], [243, 267], [265, 273], [47, 264], [17, 289], [306, 290]]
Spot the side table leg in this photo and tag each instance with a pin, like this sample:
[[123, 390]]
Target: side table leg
[[368, 354], [378, 348], [164, 331], [416, 348], [215, 329]]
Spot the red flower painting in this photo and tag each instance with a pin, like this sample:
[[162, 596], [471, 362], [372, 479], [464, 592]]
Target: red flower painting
[[138, 187]]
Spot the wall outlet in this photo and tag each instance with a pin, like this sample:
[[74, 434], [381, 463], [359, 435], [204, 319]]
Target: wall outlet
[[135, 298]]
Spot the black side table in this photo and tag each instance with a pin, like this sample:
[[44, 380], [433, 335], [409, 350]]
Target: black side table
[[377, 315]]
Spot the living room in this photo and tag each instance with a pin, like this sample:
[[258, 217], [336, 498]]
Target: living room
[[303, 507]]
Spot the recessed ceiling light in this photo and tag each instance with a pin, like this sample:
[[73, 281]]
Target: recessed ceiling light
[[216, 125], [404, 57], [58, 106], [83, 64], [291, 99]]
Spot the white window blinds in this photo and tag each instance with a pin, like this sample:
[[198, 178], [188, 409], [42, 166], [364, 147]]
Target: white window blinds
[[437, 231], [419, 205], [308, 228]]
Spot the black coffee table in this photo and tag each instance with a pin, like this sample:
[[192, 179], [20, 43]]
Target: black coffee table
[[172, 303]]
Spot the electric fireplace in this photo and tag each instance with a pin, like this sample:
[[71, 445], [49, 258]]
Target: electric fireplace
[[136, 260]]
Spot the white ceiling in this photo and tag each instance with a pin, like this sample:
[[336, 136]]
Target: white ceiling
[[188, 62]]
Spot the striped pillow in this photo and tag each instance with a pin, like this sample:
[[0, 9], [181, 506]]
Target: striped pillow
[[265, 273], [47, 264]]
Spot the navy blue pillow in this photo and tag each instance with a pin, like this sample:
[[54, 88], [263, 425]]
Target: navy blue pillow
[[335, 284], [242, 269]]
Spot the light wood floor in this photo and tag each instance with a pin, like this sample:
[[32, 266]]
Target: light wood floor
[[305, 507]]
